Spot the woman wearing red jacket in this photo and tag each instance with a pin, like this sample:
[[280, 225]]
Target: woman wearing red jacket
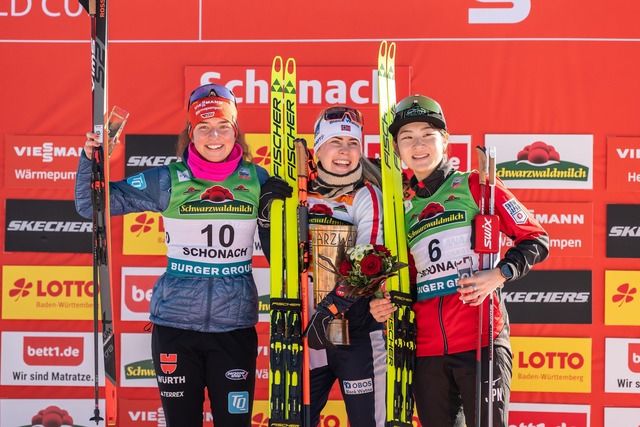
[[439, 209]]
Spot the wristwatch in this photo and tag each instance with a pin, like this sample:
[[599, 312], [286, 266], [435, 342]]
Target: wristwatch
[[506, 272]]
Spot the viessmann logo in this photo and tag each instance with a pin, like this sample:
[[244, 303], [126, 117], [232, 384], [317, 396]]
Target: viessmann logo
[[47, 151], [53, 351]]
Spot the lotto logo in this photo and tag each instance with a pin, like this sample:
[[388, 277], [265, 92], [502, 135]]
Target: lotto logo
[[238, 402]]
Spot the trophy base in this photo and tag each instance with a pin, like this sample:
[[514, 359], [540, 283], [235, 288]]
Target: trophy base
[[338, 331]]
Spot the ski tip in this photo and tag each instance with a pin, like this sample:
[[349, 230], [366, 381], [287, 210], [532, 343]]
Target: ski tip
[[392, 51], [290, 67], [383, 48], [492, 151], [277, 63]]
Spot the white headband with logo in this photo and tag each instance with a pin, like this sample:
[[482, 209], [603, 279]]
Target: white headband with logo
[[328, 129]]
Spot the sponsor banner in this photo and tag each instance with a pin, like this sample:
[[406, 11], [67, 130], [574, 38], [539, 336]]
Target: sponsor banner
[[136, 367], [544, 161], [459, 151], [543, 297], [621, 417], [548, 415], [622, 298], [48, 359], [263, 283], [143, 234], [143, 152], [54, 412], [47, 162], [623, 231], [518, 18], [149, 413], [622, 365], [570, 227], [551, 364], [137, 287], [33, 292], [623, 163], [317, 86], [46, 226]]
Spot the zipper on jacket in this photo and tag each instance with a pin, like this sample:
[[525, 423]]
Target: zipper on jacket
[[208, 316], [444, 334]]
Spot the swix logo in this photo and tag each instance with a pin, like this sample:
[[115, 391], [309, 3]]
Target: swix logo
[[634, 357], [47, 151], [54, 288], [490, 237], [518, 12], [624, 231], [628, 153], [168, 363], [550, 360], [53, 351], [151, 161], [47, 9]]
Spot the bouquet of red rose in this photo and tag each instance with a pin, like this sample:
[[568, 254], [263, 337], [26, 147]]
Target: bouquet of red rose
[[365, 268]]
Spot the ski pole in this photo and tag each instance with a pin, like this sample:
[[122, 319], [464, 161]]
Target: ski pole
[[492, 259], [482, 172], [303, 239]]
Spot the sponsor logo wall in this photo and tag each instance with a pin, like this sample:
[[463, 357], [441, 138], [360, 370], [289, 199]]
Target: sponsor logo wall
[[568, 146]]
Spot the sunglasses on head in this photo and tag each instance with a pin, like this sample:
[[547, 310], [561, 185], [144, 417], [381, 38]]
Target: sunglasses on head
[[413, 107], [339, 112], [211, 90]]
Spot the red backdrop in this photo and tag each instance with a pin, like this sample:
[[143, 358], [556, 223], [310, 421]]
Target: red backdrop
[[527, 67]]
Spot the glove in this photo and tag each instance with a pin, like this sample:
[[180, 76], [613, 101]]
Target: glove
[[316, 331], [272, 189]]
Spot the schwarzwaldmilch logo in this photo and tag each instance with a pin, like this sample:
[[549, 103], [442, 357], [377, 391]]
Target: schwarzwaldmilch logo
[[542, 161], [217, 199], [434, 215], [142, 369]]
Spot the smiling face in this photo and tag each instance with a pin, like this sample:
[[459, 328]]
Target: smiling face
[[421, 147], [340, 154], [214, 139]]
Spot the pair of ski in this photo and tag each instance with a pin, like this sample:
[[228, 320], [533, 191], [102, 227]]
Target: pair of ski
[[289, 394], [487, 245], [108, 129], [401, 327]]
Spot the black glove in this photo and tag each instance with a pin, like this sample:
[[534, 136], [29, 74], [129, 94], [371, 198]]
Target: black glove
[[316, 331], [273, 188]]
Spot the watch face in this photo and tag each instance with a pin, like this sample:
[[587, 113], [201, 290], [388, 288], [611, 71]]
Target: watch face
[[506, 272]]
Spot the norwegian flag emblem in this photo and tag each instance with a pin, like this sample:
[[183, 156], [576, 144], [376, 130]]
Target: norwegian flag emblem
[[346, 128]]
